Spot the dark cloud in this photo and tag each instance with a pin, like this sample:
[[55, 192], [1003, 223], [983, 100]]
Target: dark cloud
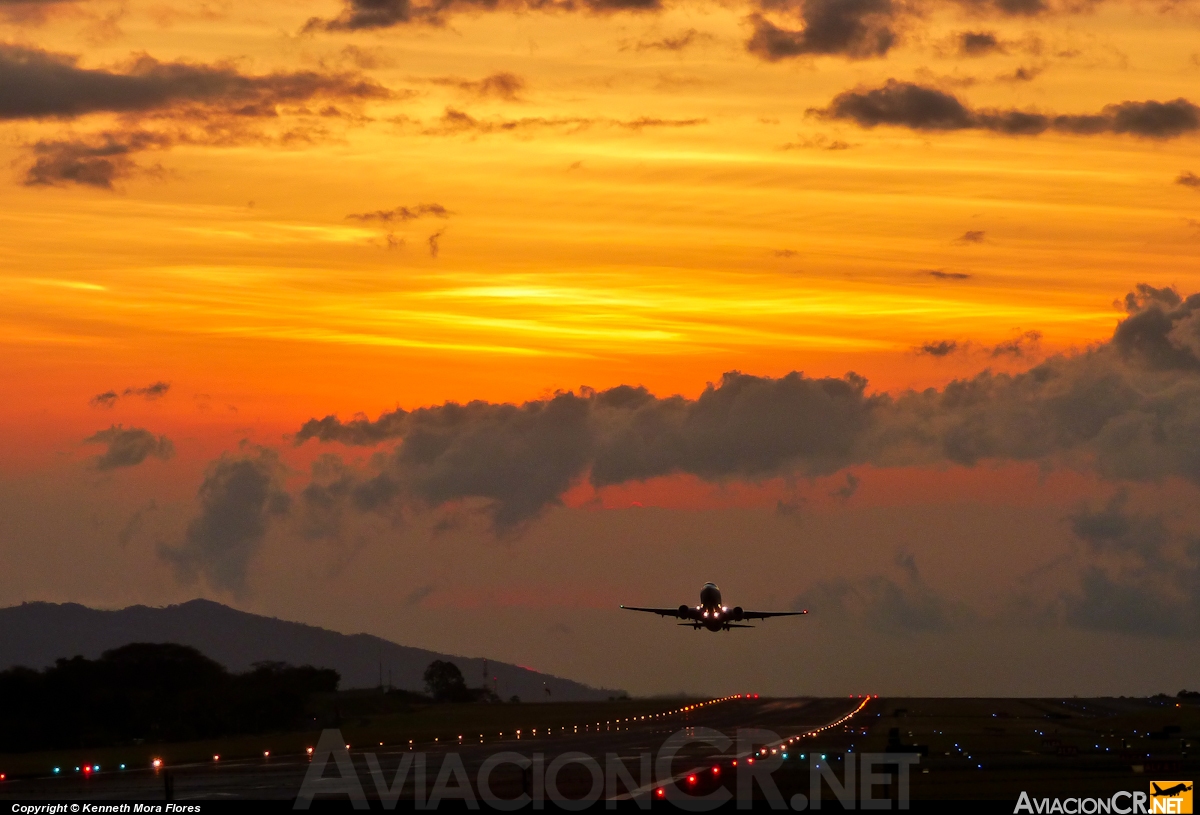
[[1137, 576], [336, 489], [819, 142], [1113, 529], [1109, 409], [238, 497], [152, 391], [1158, 120], [453, 122], [129, 447], [905, 104], [905, 605], [358, 15], [521, 458], [846, 492], [941, 348], [359, 430], [366, 14], [104, 400], [400, 214], [1021, 74], [163, 103], [418, 594], [37, 84], [432, 241], [858, 29], [979, 43], [744, 427], [1189, 179], [502, 85], [677, 43], [1018, 346], [97, 161], [100, 160], [1013, 8], [971, 236], [1162, 330], [942, 274], [642, 122]]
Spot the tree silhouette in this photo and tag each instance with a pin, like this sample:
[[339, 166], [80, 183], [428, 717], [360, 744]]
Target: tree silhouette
[[445, 682]]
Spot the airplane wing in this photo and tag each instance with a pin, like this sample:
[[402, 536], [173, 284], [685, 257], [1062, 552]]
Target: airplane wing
[[762, 615], [665, 612]]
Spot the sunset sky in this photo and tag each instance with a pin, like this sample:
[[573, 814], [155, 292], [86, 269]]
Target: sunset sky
[[461, 322]]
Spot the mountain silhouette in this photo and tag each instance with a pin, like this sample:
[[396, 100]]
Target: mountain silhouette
[[36, 634]]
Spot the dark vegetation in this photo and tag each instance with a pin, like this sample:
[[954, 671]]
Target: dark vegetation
[[150, 692], [446, 684], [153, 693]]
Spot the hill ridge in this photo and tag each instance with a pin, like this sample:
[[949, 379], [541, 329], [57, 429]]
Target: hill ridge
[[38, 632]]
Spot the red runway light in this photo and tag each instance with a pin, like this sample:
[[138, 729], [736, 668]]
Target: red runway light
[[734, 762], [691, 779], [660, 792], [716, 770], [749, 761]]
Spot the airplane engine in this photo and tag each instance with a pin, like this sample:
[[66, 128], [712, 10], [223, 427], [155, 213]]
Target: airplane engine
[[683, 612], [736, 613]]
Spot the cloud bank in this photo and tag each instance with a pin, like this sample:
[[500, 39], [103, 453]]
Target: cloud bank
[[162, 104], [38, 84], [238, 497], [922, 108], [1127, 409], [129, 447]]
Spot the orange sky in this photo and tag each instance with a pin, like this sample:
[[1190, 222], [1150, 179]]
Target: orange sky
[[613, 211], [598, 255]]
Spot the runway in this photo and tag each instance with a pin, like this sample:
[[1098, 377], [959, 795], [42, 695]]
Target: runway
[[628, 742], [854, 753]]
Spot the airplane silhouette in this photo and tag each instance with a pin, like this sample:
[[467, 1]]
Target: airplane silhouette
[[1170, 792], [712, 615]]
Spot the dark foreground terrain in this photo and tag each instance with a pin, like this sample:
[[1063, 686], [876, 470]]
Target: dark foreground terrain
[[984, 752]]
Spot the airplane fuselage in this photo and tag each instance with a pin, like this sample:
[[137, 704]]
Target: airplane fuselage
[[710, 613]]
